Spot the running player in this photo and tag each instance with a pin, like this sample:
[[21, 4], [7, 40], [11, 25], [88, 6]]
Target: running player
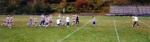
[[73, 20], [77, 19], [34, 22], [59, 16], [93, 21], [67, 21], [63, 20], [7, 21], [42, 20], [10, 21], [58, 23], [135, 21], [30, 21], [46, 21], [50, 20]]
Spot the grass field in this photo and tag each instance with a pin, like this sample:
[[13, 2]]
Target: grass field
[[104, 31]]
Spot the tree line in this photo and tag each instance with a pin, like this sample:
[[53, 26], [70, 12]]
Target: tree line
[[52, 6]]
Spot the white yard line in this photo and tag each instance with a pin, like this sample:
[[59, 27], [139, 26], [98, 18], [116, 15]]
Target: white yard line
[[116, 30], [73, 32], [144, 23]]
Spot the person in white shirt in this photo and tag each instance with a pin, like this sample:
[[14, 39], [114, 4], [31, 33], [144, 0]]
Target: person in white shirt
[[93, 21], [30, 21], [59, 16], [34, 22], [67, 21], [50, 20], [135, 21], [63, 20], [46, 21], [10, 21], [58, 23]]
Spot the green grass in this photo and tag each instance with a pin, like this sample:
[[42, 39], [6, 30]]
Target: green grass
[[104, 31]]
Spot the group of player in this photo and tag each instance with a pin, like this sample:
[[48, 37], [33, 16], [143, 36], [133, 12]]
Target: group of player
[[47, 20], [32, 21], [8, 21]]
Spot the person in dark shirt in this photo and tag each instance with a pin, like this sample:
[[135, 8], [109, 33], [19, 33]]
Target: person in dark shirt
[[77, 19]]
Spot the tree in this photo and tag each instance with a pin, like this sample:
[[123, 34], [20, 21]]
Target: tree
[[70, 0], [89, 5], [39, 7], [23, 2], [3, 5], [48, 9], [52, 1], [11, 8], [70, 8]]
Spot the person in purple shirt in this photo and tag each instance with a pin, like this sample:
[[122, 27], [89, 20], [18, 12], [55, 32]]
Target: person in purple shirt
[[42, 20]]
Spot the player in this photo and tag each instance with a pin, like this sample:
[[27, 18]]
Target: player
[[135, 21], [34, 21], [42, 20], [63, 20], [93, 21], [77, 19], [46, 21], [67, 21], [58, 23], [30, 21], [50, 20], [10, 21], [73, 20], [59, 16]]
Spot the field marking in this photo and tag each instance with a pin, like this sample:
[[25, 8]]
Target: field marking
[[72, 32], [144, 23], [116, 30]]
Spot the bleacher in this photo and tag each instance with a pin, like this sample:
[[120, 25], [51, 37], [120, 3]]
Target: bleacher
[[129, 10]]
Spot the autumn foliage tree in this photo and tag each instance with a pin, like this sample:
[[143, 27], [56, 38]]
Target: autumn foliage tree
[[89, 5], [71, 6]]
